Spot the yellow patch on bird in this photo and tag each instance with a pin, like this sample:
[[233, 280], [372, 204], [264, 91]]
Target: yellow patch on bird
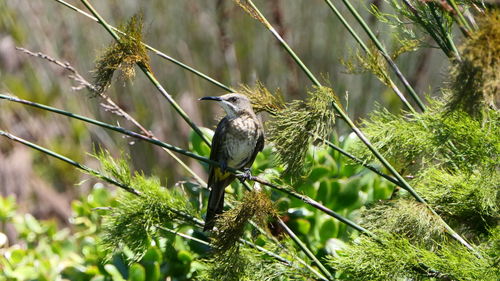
[[219, 175]]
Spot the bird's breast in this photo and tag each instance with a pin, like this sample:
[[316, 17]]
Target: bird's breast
[[241, 141]]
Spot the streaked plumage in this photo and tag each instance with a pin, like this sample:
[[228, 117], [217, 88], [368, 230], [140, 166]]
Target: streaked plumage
[[236, 142]]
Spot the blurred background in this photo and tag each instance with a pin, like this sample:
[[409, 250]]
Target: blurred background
[[215, 37]]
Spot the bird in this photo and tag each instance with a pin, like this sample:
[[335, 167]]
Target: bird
[[237, 140]]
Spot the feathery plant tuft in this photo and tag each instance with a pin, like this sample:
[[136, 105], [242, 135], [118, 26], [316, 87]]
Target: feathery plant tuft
[[395, 258], [133, 222], [247, 264], [431, 17], [262, 99], [476, 79], [372, 62], [471, 199], [122, 56], [407, 218], [255, 206], [416, 140], [299, 124]]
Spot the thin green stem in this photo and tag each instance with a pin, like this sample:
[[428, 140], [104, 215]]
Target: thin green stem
[[305, 249], [152, 49], [70, 161], [149, 75], [386, 55], [464, 25], [369, 53], [239, 174], [299, 243], [133, 191], [242, 241], [378, 155], [439, 40], [444, 32], [363, 163], [285, 45]]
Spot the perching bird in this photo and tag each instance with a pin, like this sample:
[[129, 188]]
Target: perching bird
[[236, 142]]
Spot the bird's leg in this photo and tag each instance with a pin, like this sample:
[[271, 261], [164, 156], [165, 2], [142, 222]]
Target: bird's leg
[[246, 175]]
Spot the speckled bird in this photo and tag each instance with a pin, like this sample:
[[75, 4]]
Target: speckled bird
[[237, 140]]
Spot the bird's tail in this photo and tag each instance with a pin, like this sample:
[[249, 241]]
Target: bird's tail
[[215, 204]]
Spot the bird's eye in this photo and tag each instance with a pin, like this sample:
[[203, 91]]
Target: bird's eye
[[233, 99]]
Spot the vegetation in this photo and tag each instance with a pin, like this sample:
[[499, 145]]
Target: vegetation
[[409, 195]]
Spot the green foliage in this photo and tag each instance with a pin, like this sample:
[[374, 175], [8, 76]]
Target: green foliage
[[422, 139], [431, 17], [123, 56], [41, 251], [406, 218], [46, 253], [262, 99], [395, 258], [254, 206], [372, 63], [134, 221], [300, 123], [476, 79], [247, 265], [469, 198]]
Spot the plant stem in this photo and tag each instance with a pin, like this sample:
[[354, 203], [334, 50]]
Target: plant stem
[[444, 33], [238, 173], [150, 76], [361, 162], [242, 241], [114, 107], [385, 54], [71, 162], [156, 51], [464, 25], [369, 53], [368, 144], [305, 249]]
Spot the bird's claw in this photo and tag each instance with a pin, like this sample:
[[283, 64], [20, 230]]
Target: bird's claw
[[246, 175]]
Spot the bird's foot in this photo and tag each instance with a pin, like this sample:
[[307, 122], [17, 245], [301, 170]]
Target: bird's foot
[[246, 175]]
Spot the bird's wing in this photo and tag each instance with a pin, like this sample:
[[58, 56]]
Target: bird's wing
[[218, 153]]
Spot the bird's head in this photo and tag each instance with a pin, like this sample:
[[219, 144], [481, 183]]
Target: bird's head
[[234, 104]]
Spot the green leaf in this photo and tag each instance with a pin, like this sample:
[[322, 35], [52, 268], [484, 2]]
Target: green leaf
[[153, 271], [113, 271], [302, 226], [197, 144], [152, 255], [328, 230], [318, 173], [32, 224], [184, 256], [136, 272]]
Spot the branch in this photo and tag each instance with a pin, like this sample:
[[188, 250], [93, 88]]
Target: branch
[[111, 105], [127, 188], [385, 54], [368, 52], [357, 131], [150, 76], [197, 73], [71, 162]]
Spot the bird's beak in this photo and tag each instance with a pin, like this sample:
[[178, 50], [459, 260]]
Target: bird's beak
[[211, 98]]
